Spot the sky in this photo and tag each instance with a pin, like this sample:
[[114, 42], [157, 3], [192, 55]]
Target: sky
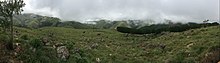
[[157, 10]]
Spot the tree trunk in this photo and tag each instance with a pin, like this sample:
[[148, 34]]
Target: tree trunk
[[10, 43]]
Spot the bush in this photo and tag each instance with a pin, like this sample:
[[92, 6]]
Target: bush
[[124, 29], [158, 28], [36, 43], [40, 55], [34, 52], [4, 38], [24, 37]]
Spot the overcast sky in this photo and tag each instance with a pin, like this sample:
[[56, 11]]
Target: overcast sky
[[158, 10]]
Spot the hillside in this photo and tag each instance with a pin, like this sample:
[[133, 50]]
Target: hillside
[[110, 46], [34, 21]]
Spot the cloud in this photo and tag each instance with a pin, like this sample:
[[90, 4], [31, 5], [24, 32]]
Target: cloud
[[158, 10]]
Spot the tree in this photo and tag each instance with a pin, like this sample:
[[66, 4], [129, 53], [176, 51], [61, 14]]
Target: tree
[[7, 9], [49, 21], [136, 23]]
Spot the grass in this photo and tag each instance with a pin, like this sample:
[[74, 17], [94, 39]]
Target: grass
[[111, 46]]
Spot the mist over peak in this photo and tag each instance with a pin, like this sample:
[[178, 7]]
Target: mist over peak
[[157, 10]]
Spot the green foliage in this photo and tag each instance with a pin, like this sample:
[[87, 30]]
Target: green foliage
[[103, 24], [29, 20], [49, 21], [36, 43], [7, 9], [78, 57], [73, 24], [4, 38], [112, 47], [33, 24], [35, 52], [40, 55], [158, 28]]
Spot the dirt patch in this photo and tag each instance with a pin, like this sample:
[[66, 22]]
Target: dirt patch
[[212, 57], [7, 56]]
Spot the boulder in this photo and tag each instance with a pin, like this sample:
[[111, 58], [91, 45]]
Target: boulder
[[63, 53], [98, 60], [45, 40]]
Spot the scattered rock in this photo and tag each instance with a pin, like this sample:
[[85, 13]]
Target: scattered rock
[[93, 46], [98, 60], [17, 48], [51, 34], [63, 53], [102, 40], [211, 57], [98, 34], [189, 45], [45, 40], [59, 44], [107, 46], [205, 29], [162, 46], [188, 37]]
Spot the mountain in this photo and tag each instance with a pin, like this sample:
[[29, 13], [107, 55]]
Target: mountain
[[109, 46]]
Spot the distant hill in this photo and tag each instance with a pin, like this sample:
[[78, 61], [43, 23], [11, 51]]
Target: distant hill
[[74, 24], [29, 20], [120, 24]]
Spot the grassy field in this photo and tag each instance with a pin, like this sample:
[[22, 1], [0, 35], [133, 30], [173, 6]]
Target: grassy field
[[110, 46]]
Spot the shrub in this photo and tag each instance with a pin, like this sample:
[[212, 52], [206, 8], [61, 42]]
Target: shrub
[[24, 37], [124, 29], [34, 52], [36, 43], [158, 28], [4, 38]]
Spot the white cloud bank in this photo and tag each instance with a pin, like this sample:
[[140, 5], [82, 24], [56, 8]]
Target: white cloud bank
[[158, 10]]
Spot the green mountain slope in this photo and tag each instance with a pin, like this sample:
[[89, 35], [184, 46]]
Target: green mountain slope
[[110, 46], [120, 24]]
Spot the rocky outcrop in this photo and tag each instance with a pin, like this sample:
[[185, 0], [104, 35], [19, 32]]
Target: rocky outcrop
[[62, 53]]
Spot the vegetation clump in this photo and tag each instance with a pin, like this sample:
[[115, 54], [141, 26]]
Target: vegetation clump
[[158, 28]]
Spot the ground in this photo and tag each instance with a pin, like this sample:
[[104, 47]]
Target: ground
[[110, 46]]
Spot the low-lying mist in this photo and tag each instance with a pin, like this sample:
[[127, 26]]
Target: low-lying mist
[[158, 11]]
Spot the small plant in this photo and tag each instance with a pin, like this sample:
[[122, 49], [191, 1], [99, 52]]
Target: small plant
[[36, 43], [24, 37], [4, 38]]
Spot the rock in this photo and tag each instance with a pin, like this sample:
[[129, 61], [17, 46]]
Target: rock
[[162, 46], [59, 44], [33, 49], [98, 60], [17, 47], [98, 34], [188, 37], [189, 45], [63, 53], [45, 40], [95, 45], [51, 34]]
